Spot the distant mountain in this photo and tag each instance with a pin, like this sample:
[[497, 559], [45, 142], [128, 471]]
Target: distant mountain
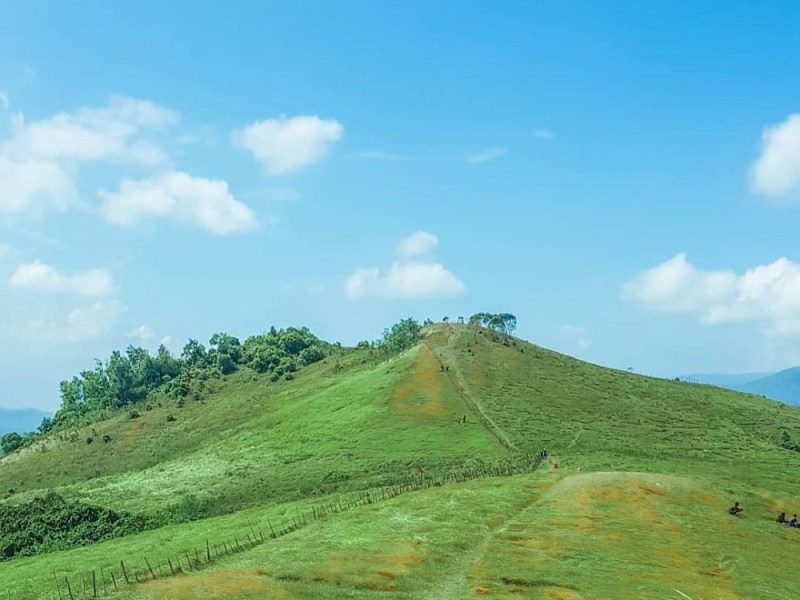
[[20, 420], [783, 385], [729, 380]]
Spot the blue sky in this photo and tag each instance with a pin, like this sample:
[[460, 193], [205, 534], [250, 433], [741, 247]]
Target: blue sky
[[625, 177]]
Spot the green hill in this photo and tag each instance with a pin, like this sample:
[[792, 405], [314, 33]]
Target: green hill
[[632, 504]]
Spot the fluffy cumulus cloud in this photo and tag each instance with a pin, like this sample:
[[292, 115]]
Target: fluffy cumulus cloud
[[768, 295], [486, 155], [206, 203], [776, 172], [45, 279], [414, 275], [286, 145], [40, 160], [419, 243]]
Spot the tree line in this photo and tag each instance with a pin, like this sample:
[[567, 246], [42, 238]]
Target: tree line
[[128, 378]]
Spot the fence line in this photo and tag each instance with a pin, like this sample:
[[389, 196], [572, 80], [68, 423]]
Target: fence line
[[103, 582]]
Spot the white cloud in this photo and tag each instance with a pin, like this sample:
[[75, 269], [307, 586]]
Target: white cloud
[[768, 295], [408, 278], [777, 171], [39, 277], [4, 103], [486, 155], [417, 244], [166, 341], [40, 161], [543, 134], [78, 325], [92, 133], [28, 186], [142, 333], [286, 145], [198, 201]]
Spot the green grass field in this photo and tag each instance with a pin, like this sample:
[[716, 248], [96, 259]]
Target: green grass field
[[635, 509]]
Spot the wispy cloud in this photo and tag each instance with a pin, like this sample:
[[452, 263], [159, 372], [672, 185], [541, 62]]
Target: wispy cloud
[[39, 277], [486, 155]]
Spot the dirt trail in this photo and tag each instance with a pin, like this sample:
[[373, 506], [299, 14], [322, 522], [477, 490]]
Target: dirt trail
[[457, 585], [449, 358]]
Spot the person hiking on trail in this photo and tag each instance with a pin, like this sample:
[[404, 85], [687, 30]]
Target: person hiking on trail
[[782, 518], [793, 521], [735, 509]]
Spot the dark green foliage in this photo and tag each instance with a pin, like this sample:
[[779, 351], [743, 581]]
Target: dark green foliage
[[787, 442], [279, 351], [53, 523], [401, 336], [500, 322], [129, 378], [11, 442]]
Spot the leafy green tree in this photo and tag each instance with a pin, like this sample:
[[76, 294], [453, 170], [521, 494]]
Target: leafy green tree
[[11, 442], [401, 335], [227, 344], [168, 366], [311, 355], [194, 354]]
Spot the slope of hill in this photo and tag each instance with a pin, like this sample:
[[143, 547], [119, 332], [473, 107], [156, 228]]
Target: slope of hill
[[635, 500], [20, 419], [728, 380]]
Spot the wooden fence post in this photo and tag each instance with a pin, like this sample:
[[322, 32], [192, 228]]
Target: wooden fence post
[[69, 588], [149, 568], [124, 571]]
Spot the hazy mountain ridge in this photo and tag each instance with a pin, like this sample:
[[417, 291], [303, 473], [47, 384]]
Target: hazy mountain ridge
[[20, 419], [783, 385]]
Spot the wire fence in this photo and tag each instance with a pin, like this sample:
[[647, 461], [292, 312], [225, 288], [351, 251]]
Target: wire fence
[[130, 570]]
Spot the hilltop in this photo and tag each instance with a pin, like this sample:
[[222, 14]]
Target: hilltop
[[634, 495]]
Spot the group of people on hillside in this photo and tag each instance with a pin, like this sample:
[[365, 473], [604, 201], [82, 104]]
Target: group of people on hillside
[[793, 522]]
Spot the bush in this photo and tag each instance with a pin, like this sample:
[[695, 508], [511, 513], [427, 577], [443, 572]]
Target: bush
[[311, 355], [53, 523], [11, 442], [401, 336]]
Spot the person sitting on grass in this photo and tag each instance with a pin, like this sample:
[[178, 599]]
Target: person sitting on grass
[[793, 521], [735, 509], [782, 518]]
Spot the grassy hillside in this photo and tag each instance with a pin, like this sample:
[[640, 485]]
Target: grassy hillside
[[635, 509]]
